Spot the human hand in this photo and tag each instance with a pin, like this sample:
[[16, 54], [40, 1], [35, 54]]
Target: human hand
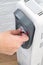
[[10, 41]]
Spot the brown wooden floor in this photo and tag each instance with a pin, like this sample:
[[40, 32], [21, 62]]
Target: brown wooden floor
[[8, 60]]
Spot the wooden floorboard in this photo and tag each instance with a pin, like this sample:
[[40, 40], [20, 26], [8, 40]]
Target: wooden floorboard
[[8, 60]]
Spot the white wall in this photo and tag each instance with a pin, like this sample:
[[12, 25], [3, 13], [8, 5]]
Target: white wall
[[7, 19]]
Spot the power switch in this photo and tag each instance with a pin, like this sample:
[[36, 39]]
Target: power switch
[[27, 26]]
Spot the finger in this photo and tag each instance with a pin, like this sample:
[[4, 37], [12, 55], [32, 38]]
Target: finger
[[17, 40], [21, 39], [24, 38], [15, 32]]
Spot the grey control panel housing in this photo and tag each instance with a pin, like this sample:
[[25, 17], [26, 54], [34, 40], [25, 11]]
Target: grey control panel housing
[[23, 21], [26, 0]]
